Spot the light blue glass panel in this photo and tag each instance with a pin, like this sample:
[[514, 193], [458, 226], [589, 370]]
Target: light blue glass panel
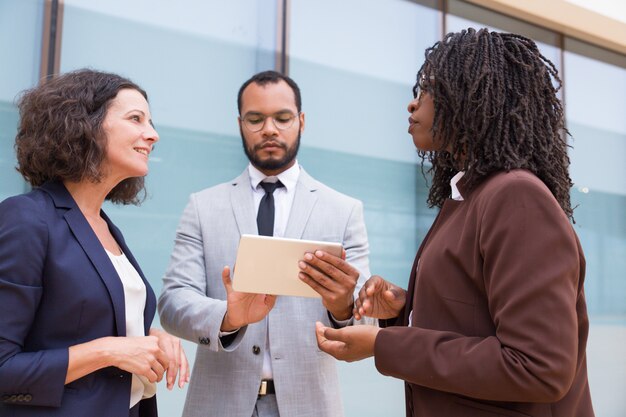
[[20, 48], [356, 67], [358, 81], [596, 116], [607, 366], [191, 56], [11, 182], [545, 40], [601, 226], [355, 92]]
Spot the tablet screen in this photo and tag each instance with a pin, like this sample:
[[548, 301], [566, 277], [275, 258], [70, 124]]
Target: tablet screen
[[269, 265]]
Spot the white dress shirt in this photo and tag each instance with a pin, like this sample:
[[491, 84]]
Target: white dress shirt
[[283, 199], [283, 196], [456, 195], [135, 303]]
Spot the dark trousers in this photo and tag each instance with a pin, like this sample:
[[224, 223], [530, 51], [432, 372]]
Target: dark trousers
[[266, 406]]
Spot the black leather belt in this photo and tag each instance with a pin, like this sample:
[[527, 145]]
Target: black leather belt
[[266, 387]]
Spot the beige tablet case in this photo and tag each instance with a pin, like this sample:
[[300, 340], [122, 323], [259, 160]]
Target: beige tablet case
[[269, 265]]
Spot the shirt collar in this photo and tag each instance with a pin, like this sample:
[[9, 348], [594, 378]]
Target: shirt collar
[[456, 195], [289, 177]]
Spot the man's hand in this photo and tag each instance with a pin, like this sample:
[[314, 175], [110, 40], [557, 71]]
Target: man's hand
[[333, 278], [349, 344], [243, 308], [379, 299]]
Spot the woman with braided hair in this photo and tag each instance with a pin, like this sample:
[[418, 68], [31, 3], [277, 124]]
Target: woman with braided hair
[[494, 321]]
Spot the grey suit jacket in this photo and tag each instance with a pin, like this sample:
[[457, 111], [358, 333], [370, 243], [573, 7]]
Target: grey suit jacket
[[225, 380]]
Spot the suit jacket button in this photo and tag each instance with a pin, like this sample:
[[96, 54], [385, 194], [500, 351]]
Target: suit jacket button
[[204, 341], [20, 398], [28, 398], [256, 350], [13, 398]]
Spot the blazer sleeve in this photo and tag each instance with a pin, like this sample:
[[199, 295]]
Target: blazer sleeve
[[39, 375], [532, 274], [184, 308], [356, 245], [357, 254]]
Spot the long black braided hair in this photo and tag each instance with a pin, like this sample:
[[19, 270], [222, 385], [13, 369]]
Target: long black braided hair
[[496, 108]]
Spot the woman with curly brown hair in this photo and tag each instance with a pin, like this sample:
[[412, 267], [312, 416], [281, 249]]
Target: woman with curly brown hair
[[494, 321], [75, 308]]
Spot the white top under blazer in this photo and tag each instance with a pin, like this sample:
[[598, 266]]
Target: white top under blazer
[[135, 303]]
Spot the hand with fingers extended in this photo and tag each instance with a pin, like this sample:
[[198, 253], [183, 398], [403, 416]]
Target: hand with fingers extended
[[243, 308], [333, 278], [349, 344], [379, 299], [141, 355], [178, 363]]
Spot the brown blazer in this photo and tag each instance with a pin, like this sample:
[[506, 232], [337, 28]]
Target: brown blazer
[[499, 324]]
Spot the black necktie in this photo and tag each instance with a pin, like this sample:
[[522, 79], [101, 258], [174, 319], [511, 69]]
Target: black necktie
[[265, 218]]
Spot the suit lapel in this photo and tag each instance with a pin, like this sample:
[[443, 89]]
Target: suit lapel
[[303, 202], [445, 211], [93, 249], [243, 205], [150, 308]]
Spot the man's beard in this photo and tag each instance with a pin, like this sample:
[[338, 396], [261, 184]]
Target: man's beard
[[271, 164]]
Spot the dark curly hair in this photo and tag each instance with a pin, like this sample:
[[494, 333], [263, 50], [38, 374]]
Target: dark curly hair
[[60, 135], [496, 108]]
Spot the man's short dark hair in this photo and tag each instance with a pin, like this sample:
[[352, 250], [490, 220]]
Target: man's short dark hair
[[271, 77]]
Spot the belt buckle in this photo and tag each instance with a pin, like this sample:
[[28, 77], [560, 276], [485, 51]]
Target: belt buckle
[[263, 388]]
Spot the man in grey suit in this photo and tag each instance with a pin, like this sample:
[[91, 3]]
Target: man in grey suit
[[257, 354]]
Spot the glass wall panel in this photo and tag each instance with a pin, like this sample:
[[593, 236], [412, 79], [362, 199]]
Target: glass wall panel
[[356, 67], [464, 15], [596, 109], [21, 25], [191, 56]]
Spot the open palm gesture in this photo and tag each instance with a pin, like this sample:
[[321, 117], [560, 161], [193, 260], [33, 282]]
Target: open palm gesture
[[243, 308]]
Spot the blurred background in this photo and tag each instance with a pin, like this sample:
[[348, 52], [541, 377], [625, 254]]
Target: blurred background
[[355, 61]]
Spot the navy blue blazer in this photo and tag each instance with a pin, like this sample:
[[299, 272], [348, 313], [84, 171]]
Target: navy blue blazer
[[58, 288]]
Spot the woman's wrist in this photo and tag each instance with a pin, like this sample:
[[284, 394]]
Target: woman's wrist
[[89, 357]]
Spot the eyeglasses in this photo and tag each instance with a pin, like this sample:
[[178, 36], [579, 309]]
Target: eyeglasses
[[425, 85], [283, 120]]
